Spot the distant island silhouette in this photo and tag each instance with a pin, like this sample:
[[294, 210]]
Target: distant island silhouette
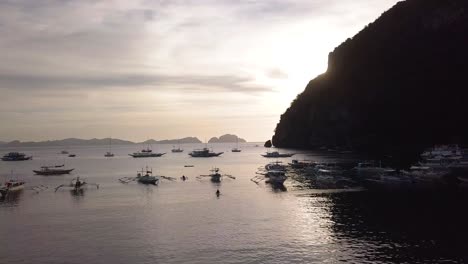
[[95, 142], [395, 88], [115, 141], [227, 138]]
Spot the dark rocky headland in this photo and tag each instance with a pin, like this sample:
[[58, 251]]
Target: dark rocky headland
[[398, 86]]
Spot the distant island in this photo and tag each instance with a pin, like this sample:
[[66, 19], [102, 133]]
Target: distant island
[[105, 141], [395, 88], [227, 138], [94, 142]]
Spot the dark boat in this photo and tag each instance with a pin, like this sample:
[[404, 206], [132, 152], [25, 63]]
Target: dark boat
[[53, 170], [204, 153], [16, 156]]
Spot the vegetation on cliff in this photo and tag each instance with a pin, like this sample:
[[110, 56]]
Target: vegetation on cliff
[[398, 86]]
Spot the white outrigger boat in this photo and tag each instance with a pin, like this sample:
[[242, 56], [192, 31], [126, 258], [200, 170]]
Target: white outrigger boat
[[145, 176], [11, 186], [215, 175], [76, 185]]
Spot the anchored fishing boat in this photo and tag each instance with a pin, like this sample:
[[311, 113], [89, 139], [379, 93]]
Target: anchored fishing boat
[[109, 153], [276, 154], [215, 175], [145, 176], [296, 164], [204, 153], [11, 186], [275, 166], [16, 156], [76, 185], [177, 150], [53, 170], [146, 154], [236, 149], [276, 177]]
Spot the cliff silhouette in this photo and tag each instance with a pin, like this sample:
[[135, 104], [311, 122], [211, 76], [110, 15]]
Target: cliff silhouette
[[398, 86]]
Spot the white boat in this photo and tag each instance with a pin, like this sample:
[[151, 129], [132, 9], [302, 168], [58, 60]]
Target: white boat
[[215, 175], [11, 186], [146, 177], [276, 154]]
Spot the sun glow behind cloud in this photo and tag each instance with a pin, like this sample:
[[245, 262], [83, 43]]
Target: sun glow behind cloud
[[163, 69]]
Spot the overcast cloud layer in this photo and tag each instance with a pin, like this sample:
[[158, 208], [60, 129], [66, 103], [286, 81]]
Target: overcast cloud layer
[[163, 69]]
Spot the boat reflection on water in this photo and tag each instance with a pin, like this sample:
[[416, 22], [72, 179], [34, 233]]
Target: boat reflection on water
[[278, 188], [420, 226], [12, 199]]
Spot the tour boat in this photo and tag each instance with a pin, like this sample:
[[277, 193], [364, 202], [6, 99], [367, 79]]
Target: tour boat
[[204, 153], [53, 170], [16, 156], [146, 154], [276, 154]]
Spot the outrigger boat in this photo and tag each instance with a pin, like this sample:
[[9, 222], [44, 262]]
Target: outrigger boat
[[145, 176], [275, 177], [53, 170], [76, 185], [11, 186], [204, 153], [16, 156], [146, 154], [215, 176], [275, 166], [276, 154]]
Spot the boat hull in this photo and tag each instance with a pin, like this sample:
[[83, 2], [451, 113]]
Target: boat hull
[[16, 159], [149, 155], [206, 155], [54, 172]]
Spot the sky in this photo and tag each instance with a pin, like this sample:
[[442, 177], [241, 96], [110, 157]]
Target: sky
[[163, 69]]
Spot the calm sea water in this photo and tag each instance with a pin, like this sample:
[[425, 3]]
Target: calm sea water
[[184, 222]]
